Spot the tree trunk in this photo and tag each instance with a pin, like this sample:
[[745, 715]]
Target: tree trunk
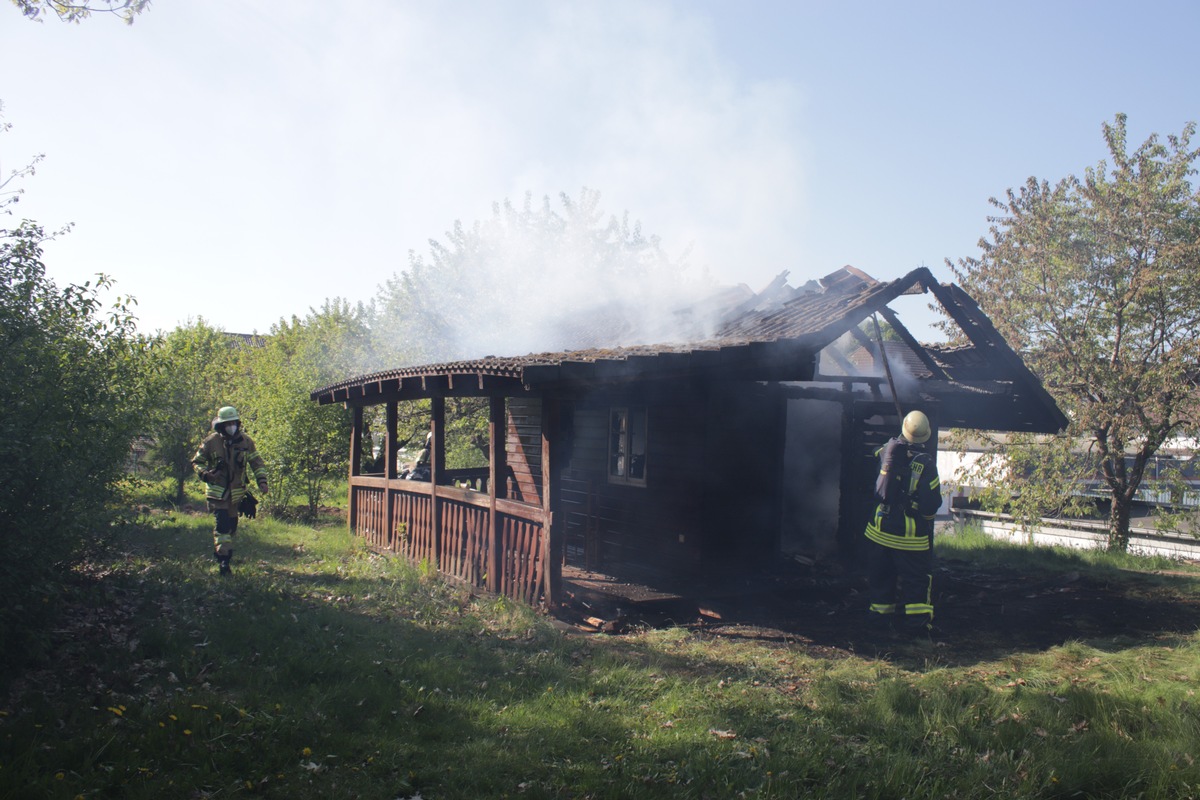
[[1118, 521]]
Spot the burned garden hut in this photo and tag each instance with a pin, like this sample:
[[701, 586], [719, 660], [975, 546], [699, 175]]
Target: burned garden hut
[[752, 442]]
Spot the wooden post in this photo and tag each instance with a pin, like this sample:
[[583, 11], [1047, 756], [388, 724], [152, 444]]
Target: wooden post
[[389, 471], [553, 544], [497, 432], [437, 458], [356, 431]]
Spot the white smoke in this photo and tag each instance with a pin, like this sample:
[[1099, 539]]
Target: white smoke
[[541, 277], [867, 363]]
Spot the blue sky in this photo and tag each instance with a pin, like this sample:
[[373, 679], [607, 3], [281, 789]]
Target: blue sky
[[243, 161]]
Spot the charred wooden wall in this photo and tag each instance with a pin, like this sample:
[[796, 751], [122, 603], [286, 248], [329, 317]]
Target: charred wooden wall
[[712, 480], [812, 478], [746, 424]]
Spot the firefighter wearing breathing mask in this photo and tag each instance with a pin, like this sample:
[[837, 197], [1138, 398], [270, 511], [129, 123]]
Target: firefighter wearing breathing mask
[[224, 461], [900, 533]]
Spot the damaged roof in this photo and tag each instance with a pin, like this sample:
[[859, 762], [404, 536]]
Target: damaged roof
[[777, 334]]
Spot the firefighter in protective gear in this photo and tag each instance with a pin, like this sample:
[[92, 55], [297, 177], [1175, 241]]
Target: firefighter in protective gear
[[420, 470], [900, 533], [226, 459]]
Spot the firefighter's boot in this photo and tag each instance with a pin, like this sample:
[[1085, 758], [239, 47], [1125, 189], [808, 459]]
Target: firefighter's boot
[[881, 621], [918, 625], [223, 559]]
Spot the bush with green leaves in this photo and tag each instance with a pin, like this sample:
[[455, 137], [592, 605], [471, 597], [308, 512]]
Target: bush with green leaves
[[73, 396]]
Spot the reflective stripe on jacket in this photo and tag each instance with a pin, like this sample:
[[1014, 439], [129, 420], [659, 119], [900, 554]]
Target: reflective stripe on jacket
[[232, 461]]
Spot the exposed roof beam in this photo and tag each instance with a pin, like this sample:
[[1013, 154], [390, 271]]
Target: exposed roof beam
[[912, 343]]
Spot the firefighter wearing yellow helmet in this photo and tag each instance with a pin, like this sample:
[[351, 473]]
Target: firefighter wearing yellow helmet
[[900, 533], [225, 460]]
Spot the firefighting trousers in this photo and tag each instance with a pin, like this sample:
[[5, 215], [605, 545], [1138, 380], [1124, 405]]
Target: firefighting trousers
[[900, 581], [225, 527]]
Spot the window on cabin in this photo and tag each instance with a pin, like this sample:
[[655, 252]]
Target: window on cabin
[[627, 445]]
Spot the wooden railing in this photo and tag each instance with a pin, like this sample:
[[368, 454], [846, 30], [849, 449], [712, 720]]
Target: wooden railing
[[464, 545], [514, 564], [371, 520], [522, 558]]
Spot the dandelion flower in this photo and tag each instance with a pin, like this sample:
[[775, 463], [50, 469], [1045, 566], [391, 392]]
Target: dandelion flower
[[306, 752], [187, 731]]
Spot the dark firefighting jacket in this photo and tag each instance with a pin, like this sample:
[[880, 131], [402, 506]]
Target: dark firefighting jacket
[[224, 464], [909, 495]]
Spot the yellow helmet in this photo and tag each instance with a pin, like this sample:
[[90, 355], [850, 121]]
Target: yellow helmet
[[915, 427]]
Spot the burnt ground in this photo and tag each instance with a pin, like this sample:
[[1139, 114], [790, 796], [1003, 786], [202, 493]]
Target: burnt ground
[[981, 615]]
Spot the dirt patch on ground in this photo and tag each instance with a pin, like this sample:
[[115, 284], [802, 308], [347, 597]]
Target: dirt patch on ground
[[980, 616]]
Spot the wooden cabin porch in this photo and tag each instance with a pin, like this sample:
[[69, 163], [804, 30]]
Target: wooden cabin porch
[[488, 532]]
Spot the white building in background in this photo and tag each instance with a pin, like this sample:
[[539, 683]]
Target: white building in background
[[955, 466]]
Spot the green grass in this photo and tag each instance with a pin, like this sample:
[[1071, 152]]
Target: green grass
[[320, 670], [971, 542]]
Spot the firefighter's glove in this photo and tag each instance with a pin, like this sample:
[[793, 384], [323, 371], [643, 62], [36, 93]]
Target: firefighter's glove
[[248, 507], [209, 476], [262, 487]]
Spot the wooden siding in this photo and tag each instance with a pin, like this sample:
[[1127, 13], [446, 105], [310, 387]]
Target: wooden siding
[[812, 471], [693, 507], [523, 449], [743, 495]]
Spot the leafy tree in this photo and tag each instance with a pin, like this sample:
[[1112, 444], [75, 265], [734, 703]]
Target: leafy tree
[[1097, 281], [76, 12], [466, 432], [72, 390], [305, 445], [193, 374]]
